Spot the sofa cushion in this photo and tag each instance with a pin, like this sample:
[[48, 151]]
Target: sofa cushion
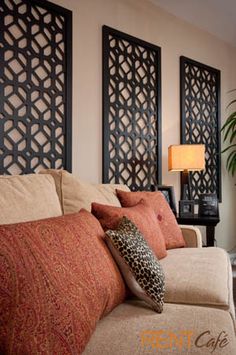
[[141, 269], [75, 194], [166, 219], [133, 328], [27, 198], [141, 215], [57, 278], [199, 276]]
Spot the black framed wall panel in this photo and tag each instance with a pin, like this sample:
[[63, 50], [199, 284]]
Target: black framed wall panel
[[200, 121], [131, 111], [35, 86]]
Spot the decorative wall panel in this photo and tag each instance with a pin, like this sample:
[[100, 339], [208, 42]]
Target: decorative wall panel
[[200, 121], [35, 86], [131, 111]]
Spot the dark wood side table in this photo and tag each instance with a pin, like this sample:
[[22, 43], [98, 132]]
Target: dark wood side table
[[209, 222]]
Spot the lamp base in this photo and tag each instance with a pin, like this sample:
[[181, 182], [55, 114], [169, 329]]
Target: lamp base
[[186, 208], [186, 191]]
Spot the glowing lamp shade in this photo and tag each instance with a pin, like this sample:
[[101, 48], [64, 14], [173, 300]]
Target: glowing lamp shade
[[186, 157]]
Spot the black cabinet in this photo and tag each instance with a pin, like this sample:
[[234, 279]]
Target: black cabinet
[[208, 222]]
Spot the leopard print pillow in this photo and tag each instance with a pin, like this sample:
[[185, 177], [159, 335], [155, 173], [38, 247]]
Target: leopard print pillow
[[140, 267]]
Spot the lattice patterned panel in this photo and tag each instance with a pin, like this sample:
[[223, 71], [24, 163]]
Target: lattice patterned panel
[[200, 121], [131, 111], [35, 93]]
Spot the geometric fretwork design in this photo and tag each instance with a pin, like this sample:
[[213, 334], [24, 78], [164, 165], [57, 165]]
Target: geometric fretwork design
[[200, 121], [131, 111], [35, 80]]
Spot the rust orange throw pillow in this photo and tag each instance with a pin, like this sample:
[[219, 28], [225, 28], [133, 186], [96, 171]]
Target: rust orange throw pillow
[[142, 215], [167, 221], [57, 278]]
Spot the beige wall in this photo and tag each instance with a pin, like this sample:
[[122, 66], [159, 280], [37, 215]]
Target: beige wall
[[142, 19]]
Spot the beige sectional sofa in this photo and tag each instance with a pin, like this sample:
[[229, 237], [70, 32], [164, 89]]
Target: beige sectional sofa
[[198, 316]]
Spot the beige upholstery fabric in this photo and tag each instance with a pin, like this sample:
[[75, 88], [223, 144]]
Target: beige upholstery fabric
[[230, 288], [198, 276], [124, 329], [57, 176], [27, 198], [192, 236], [75, 194]]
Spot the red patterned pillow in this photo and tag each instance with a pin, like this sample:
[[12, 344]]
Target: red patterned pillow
[[167, 221], [141, 215], [57, 278]]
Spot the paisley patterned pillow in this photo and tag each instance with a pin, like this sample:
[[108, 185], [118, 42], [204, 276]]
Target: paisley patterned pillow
[[140, 267], [57, 279]]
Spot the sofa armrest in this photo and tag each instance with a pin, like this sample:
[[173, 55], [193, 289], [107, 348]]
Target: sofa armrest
[[192, 236]]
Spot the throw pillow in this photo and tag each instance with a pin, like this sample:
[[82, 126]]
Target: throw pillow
[[57, 279], [141, 269], [18, 196], [142, 215], [75, 193], [166, 219]]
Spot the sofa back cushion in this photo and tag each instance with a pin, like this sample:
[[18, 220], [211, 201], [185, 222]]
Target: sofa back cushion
[[165, 217], [27, 198], [142, 215], [75, 194], [57, 279]]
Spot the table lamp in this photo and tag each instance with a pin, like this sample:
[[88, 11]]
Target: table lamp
[[186, 158]]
